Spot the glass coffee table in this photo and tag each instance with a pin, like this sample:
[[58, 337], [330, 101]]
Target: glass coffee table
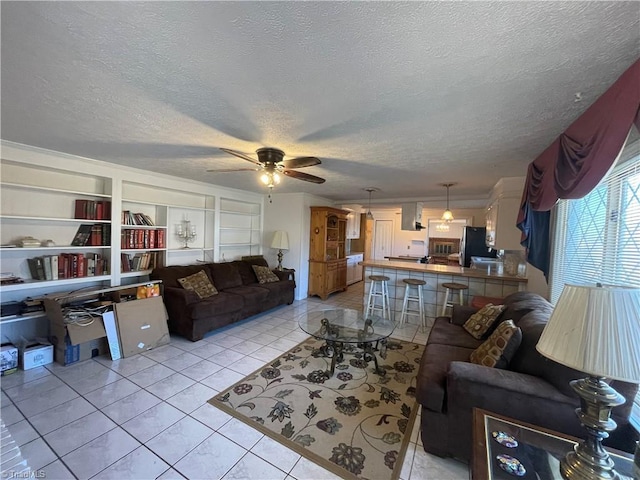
[[342, 326]]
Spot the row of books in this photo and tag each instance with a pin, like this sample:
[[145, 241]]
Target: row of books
[[67, 265], [93, 209], [143, 238], [130, 218], [95, 235], [140, 261]]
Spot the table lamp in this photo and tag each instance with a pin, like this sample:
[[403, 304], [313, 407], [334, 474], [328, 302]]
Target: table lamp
[[595, 330], [281, 242]]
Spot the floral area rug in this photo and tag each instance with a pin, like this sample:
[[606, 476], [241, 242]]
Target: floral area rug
[[356, 424]]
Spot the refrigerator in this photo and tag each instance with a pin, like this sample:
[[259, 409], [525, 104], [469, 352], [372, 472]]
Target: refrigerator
[[473, 244]]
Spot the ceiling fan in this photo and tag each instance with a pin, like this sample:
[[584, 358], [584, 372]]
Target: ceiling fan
[[272, 164]]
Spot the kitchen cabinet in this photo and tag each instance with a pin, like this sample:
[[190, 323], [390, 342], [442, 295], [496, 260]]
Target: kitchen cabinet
[[354, 271], [353, 225], [502, 214], [327, 251]]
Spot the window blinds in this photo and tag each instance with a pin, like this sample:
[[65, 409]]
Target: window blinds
[[597, 237]]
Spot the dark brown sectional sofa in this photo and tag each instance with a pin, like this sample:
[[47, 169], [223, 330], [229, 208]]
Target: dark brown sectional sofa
[[240, 295], [532, 389]]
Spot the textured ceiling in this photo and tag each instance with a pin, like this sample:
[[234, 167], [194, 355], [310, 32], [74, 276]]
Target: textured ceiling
[[400, 96]]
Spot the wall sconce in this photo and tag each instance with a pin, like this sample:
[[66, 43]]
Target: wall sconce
[[281, 242], [186, 232]]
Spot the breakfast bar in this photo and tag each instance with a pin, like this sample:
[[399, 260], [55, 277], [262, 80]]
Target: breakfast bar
[[479, 282]]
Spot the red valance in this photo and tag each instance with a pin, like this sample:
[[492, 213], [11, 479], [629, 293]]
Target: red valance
[[580, 157]]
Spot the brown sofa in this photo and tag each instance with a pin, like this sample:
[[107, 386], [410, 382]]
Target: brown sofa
[[240, 295], [532, 389]]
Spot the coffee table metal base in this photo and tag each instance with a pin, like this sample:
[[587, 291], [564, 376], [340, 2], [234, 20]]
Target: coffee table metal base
[[335, 350]]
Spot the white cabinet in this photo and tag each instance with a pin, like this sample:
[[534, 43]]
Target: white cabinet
[[502, 214], [353, 225], [354, 271]]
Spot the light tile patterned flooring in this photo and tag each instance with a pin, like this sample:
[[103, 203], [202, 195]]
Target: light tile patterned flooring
[[147, 416]]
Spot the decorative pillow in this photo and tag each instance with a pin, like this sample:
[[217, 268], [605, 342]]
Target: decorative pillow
[[481, 321], [264, 274], [498, 350], [199, 283]]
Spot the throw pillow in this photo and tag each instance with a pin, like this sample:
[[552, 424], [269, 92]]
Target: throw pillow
[[199, 283], [498, 350], [481, 321], [264, 274]]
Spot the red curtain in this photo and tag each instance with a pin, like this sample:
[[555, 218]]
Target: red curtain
[[577, 160]]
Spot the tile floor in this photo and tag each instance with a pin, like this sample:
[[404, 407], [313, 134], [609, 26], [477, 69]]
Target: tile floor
[[147, 416]]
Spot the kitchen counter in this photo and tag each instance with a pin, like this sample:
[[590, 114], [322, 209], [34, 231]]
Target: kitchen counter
[[479, 282], [456, 271], [404, 258]]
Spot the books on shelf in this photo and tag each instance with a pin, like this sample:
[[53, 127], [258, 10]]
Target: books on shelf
[[132, 238], [93, 209], [67, 265], [95, 235], [140, 261], [131, 218]]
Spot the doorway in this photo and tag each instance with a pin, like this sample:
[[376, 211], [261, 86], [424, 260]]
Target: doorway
[[382, 239]]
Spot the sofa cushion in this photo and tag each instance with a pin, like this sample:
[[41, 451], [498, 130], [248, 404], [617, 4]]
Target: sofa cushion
[[225, 275], [216, 305], [498, 350], [279, 289], [170, 275], [264, 274], [432, 375], [246, 272], [480, 322], [199, 283], [251, 294], [445, 333]]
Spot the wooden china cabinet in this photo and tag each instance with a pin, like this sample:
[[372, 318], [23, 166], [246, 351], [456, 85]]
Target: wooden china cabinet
[[327, 251]]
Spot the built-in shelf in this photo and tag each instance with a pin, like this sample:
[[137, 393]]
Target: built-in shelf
[[29, 283]]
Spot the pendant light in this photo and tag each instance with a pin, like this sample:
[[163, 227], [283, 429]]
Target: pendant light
[[447, 215], [370, 190]]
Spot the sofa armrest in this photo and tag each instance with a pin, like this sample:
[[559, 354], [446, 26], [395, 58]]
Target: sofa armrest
[[286, 274], [475, 385], [461, 314], [180, 296]]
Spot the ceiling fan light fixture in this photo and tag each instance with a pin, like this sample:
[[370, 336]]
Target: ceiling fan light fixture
[[447, 215]]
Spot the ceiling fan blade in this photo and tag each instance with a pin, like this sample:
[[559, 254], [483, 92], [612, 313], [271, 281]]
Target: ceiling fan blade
[[240, 155], [226, 170], [303, 176], [300, 162]]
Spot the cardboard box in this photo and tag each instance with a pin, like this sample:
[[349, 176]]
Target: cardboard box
[[8, 359], [70, 353], [36, 354], [74, 343], [142, 325]]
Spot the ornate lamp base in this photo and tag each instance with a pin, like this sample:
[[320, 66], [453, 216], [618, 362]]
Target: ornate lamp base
[[589, 460], [280, 255]]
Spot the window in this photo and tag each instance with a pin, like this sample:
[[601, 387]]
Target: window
[[597, 238]]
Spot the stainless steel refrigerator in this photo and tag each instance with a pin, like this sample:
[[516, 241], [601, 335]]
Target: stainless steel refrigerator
[[473, 244]]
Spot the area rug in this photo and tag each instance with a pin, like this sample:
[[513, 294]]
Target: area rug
[[356, 424]]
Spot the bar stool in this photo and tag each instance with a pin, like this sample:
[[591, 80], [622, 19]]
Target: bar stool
[[411, 283], [455, 287], [379, 289]]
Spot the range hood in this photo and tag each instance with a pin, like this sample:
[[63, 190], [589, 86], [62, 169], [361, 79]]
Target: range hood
[[412, 216]]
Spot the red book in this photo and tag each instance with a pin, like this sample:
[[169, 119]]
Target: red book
[[152, 238], [160, 238], [81, 209], [99, 211], [61, 272], [96, 235], [81, 266]]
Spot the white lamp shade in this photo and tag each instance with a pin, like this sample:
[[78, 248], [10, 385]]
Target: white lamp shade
[[280, 240], [596, 330]]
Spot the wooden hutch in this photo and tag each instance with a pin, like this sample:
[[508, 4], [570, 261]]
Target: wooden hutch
[[327, 251]]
